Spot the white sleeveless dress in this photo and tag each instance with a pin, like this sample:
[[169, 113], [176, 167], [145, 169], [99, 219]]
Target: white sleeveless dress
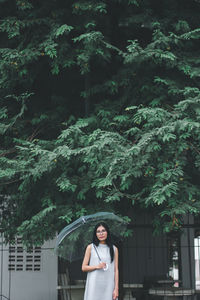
[[100, 283]]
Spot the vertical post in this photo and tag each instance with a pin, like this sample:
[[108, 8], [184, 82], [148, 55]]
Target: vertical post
[[187, 254], [1, 289]]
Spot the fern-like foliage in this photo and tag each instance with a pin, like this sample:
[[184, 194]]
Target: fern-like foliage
[[99, 110]]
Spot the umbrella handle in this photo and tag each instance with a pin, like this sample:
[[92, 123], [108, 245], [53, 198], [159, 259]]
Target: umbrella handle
[[106, 267]]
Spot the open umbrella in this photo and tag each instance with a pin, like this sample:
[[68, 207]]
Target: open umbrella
[[72, 240]]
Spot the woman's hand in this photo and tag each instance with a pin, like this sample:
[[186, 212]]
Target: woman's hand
[[115, 294], [102, 265]]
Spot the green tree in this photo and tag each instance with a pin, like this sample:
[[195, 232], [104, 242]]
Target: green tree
[[99, 110]]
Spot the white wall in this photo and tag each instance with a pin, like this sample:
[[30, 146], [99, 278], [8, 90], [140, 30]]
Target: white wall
[[197, 261], [31, 285]]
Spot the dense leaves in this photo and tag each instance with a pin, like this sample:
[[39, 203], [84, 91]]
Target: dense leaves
[[99, 110]]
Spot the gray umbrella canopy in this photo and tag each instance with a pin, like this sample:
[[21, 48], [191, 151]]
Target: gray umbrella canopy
[[72, 240]]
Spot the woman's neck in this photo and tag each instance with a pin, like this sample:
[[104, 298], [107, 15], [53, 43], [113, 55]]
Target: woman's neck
[[102, 242]]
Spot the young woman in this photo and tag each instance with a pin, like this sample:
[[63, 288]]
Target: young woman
[[101, 263]]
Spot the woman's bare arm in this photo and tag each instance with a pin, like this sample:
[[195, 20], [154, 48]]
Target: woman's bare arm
[[85, 264], [116, 269]]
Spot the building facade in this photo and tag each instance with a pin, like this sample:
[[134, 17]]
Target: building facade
[[30, 274]]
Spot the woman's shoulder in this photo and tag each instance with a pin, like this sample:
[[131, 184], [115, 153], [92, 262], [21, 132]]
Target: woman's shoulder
[[89, 246], [115, 247]]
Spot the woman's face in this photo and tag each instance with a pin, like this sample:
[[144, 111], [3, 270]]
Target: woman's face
[[101, 234]]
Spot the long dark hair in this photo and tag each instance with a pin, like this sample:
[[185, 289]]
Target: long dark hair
[[95, 240]]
